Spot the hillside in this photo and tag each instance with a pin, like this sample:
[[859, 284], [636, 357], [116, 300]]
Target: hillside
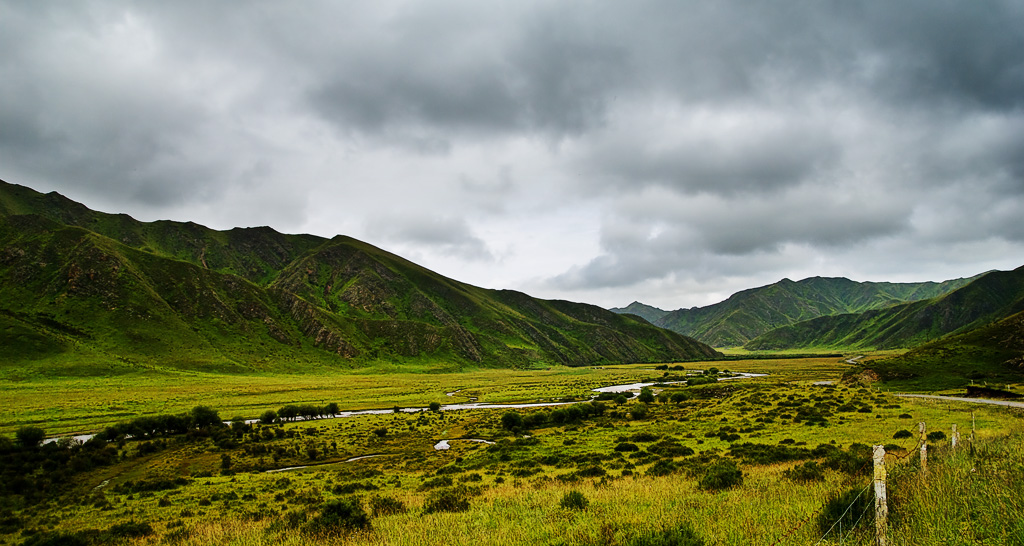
[[991, 354], [991, 297], [84, 292], [750, 313], [647, 312]]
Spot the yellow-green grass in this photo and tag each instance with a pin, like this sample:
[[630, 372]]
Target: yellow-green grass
[[65, 406], [519, 510], [249, 506]]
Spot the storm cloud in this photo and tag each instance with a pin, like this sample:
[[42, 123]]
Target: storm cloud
[[661, 151]]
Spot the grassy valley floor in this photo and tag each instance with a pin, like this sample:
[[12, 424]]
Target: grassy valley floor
[[744, 461]]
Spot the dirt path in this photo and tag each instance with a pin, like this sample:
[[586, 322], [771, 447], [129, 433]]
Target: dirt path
[[968, 400]]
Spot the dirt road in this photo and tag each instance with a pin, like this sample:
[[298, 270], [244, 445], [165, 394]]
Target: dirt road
[[969, 400]]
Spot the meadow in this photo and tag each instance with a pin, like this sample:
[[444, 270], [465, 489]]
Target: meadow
[[740, 461]]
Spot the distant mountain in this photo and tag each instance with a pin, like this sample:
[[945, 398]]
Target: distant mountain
[[750, 313], [988, 355], [991, 297], [84, 292], [648, 313]]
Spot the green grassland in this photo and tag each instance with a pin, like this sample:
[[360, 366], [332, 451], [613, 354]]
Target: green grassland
[[80, 405], [638, 466]]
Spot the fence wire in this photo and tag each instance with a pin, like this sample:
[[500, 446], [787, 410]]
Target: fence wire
[[846, 483]]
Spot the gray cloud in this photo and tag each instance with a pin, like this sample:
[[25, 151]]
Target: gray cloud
[[665, 144], [419, 229]]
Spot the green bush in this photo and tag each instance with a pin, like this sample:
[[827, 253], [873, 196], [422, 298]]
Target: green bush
[[848, 507], [626, 446], [902, 434], [386, 506], [721, 475], [663, 467], [512, 420], [131, 529], [29, 436], [339, 515], [455, 499], [574, 500], [810, 471], [683, 535], [936, 436]]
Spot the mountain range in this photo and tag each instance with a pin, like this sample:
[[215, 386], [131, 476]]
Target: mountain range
[[754, 312], [85, 292]]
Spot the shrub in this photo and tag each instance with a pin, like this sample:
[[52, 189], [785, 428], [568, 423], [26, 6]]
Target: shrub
[[29, 436], [721, 475], [936, 436], [646, 395], [574, 500], [683, 535], [810, 471], [902, 434], [386, 506], [592, 472], [339, 515], [626, 446], [663, 467], [455, 499], [433, 483], [848, 507], [512, 420], [638, 412], [130, 529], [670, 448]]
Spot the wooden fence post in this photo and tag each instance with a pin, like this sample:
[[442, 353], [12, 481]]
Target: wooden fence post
[[924, 447], [881, 502], [953, 439]]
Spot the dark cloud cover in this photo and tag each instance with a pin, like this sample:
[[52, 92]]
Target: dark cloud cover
[[665, 151]]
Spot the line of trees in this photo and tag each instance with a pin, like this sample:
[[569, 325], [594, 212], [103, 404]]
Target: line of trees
[[292, 412]]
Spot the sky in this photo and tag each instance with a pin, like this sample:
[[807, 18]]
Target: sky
[[669, 152]]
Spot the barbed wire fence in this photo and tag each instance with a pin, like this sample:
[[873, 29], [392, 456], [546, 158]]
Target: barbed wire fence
[[881, 511]]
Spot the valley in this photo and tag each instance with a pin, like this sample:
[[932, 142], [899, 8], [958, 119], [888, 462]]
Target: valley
[[639, 464], [165, 383]]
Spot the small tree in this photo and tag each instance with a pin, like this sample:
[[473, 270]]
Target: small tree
[[29, 436], [332, 409], [268, 417], [646, 395], [574, 500], [340, 515], [721, 475], [204, 416], [435, 406], [512, 420]]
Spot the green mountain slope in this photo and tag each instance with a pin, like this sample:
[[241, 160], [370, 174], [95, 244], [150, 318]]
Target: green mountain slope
[[83, 292], [750, 313], [647, 312], [990, 297], [990, 354]]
